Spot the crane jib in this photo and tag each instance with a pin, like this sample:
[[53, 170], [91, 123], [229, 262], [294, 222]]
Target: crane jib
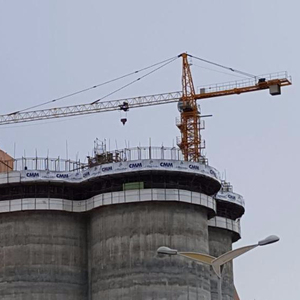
[[231, 88]]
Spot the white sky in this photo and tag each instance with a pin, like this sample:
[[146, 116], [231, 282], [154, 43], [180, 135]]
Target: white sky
[[52, 48]]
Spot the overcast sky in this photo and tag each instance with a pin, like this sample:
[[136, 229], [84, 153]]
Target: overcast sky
[[53, 48]]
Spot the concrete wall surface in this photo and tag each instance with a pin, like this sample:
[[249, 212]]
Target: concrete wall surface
[[109, 253], [43, 256], [220, 242], [123, 240]]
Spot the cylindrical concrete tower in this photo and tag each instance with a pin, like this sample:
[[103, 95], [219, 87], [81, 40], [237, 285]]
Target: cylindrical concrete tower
[[92, 233], [224, 229], [43, 255], [124, 239]]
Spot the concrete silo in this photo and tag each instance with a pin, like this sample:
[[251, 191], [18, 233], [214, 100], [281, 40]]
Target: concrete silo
[[92, 231]]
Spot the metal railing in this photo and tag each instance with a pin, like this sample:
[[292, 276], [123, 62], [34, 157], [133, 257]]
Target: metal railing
[[150, 152], [225, 86], [40, 163], [66, 165]]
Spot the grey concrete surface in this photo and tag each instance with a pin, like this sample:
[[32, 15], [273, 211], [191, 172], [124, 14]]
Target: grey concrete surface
[[43, 256], [110, 253], [220, 241], [123, 240]]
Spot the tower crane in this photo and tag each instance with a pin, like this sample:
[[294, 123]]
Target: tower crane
[[189, 125]]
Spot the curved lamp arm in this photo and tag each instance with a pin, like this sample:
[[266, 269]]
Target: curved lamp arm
[[199, 257], [216, 263], [228, 256]]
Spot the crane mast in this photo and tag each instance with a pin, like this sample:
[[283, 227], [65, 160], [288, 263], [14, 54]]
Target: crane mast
[[189, 126]]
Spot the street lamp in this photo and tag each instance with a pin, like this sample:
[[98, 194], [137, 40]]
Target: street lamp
[[218, 262]]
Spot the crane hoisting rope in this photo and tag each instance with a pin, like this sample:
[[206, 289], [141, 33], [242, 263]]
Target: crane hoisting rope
[[97, 85]]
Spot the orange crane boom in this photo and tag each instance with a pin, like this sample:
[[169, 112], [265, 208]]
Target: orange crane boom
[[189, 125]]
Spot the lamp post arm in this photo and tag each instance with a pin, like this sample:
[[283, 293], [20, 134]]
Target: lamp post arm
[[199, 257], [228, 256]]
